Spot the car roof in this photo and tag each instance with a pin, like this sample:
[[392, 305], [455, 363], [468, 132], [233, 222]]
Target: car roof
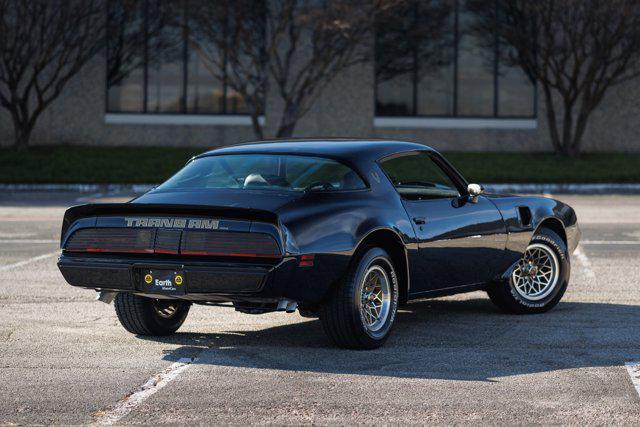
[[351, 150]]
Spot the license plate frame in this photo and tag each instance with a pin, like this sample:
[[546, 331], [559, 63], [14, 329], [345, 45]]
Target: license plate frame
[[163, 281]]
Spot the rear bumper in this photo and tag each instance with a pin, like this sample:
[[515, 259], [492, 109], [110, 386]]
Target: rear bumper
[[209, 281]]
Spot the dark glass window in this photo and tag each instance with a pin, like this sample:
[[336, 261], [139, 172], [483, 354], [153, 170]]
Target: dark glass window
[[125, 53], [475, 74], [153, 66], [429, 62], [416, 176], [165, 71], [204, 94], [414, 51], [265, 172], [515, 94]]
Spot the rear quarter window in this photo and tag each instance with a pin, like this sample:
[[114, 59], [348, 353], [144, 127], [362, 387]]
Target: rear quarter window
[[416, 176]]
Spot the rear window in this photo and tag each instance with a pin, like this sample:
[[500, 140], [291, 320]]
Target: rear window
[[267, 172]]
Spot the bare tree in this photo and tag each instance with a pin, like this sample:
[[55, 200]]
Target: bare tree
[[133, 28], [230, 38], [417, 31], [125, 39], [43, 43], [299, 46], [575, 49], [416, 39]]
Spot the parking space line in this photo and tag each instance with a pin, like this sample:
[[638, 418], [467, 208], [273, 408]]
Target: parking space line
[[83, 199], [29, 261], [25, 241], [610, 242], [16, 235], [148, 389], [633, 368], [584, 262]]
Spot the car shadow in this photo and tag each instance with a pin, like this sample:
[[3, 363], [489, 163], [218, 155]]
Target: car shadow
[[440, 339]]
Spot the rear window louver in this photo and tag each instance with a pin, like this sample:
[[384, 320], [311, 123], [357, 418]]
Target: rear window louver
[[171, 241]]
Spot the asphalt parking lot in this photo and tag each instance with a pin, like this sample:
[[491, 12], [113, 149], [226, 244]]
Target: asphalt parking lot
[[64, 358]]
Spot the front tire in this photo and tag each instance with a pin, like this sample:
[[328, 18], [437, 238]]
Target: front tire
[[148, 316], [362, 308], [539, 280]]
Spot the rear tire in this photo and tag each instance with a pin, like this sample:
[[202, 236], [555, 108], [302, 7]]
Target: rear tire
[[521, 295], [148, 316], [362, 308]]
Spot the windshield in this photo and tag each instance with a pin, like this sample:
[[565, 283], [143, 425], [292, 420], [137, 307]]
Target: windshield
[[265, 172]]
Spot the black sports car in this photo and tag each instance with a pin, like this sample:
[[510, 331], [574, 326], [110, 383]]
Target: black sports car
[[345, 230]]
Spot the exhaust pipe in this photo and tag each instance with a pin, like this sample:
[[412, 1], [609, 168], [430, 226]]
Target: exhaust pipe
[[287, 306], [106, 296]]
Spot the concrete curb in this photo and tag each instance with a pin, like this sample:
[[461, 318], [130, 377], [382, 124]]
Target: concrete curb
[[603, 188], [80, 188]]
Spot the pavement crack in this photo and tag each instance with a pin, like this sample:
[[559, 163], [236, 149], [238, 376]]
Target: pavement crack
[[132, 400]]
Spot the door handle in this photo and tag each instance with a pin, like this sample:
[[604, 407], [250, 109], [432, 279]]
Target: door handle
[[420, 220]]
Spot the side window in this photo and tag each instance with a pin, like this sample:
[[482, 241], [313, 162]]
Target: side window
[[416, 177]]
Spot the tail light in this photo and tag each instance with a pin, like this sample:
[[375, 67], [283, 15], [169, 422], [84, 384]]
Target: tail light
[[229, 244], [306, 260], [127, 240], [173, 241], [167, 241]]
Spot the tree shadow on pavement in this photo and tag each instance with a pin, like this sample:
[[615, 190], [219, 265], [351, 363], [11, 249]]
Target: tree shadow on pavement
[[441, 339]]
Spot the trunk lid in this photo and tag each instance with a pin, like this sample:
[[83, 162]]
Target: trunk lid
[[191, 223]]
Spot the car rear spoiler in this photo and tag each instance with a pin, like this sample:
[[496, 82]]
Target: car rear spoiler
[[104, 209]]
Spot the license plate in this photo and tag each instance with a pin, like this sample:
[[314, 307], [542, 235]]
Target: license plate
[[163, 281]]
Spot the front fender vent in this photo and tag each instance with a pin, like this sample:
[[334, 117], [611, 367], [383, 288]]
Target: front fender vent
[[524, 213]]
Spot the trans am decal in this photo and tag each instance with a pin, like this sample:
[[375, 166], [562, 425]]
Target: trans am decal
[[163, 222]]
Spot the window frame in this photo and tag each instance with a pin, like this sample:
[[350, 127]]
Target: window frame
[[183, 82], [439, 161], [454, 70]]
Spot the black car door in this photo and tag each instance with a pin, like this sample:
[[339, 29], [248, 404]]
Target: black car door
[[460, 239]]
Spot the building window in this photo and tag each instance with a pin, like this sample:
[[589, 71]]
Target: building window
[[430, 63], [153, 66]]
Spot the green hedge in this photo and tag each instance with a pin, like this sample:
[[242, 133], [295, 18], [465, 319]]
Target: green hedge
[[75, 164]]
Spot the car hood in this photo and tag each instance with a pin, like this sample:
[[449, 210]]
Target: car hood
[[247, 199]]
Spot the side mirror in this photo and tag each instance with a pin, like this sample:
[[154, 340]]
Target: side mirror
[[475, 190]]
